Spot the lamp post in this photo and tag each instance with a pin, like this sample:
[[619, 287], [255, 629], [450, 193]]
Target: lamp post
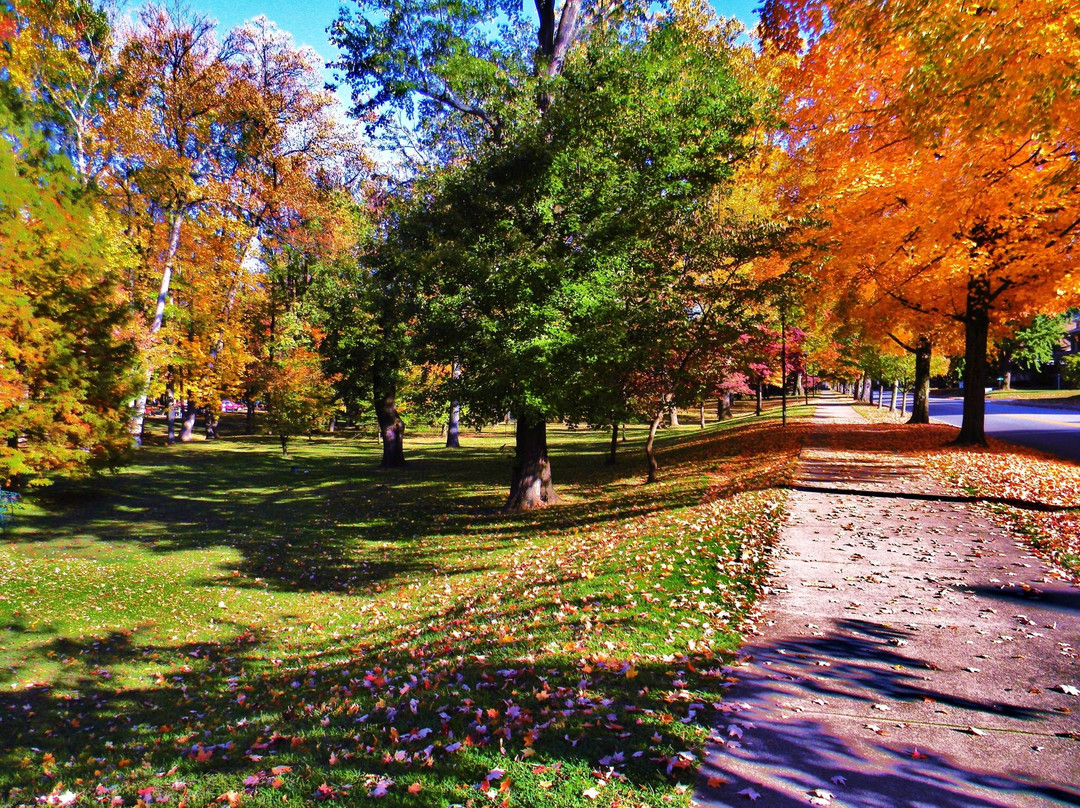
[[783, 367], [805, 379]]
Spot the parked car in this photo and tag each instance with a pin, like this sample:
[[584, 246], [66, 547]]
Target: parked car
[[232, 406]]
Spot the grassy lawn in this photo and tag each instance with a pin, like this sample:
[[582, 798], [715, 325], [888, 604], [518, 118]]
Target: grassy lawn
[[219, 624], [1070, 398]]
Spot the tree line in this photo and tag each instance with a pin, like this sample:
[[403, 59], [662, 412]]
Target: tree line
[[588, 213]]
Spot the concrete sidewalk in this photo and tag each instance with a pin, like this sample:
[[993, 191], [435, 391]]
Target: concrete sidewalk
[[912, 653]]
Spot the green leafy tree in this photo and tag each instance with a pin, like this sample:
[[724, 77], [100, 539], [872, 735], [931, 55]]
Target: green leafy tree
[[1032, 346], [534, 254], [298, 397]]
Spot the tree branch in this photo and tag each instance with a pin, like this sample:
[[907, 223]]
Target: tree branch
[[449, 99], [897, 340], [565, 36], [1005, 284]]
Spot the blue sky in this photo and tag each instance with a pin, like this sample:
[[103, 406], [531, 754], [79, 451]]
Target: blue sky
[[307, 20]]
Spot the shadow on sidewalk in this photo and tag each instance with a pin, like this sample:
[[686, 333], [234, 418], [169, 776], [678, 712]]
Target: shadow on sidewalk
[[1010, 501], [785, 760], [803, 713], [801, 756]]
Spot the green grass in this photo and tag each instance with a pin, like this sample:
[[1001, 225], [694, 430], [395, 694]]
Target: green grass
[[220, 623], [1071, 397]]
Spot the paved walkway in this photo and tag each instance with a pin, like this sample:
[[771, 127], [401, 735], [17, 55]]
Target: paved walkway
[[911, 655]]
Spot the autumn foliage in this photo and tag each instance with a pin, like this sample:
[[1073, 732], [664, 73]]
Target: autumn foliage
[[935, 144]]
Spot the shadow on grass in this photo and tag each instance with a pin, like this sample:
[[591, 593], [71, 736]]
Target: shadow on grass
[[504, 674], [325, 519], [219, 717]]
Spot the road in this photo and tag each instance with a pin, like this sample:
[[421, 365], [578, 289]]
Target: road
[[1051, 430]]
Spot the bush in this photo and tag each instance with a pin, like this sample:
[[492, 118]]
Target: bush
[[1070, 372]]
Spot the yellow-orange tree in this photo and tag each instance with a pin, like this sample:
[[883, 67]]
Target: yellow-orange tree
[[222, 152], [66, 349], [938, 143]]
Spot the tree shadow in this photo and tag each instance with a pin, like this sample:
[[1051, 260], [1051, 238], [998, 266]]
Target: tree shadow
[[325, 519], [916, 496], [803, 755], [1018, 594], [219, 716], [782, 751]]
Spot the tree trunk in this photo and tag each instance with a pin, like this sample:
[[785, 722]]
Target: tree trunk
[[920, 407], [856, 389], [799, 386], [673, 412], [757, 406], [530, 480], [614, 443], [650, 454], [701, 414], [249, 419], [723, 407], [976, 333], [139, 416], [391, 429], [187, 430], [880, 394], [170, 415], [892, 401], [212, 420], [453, 421], [868, 389], [1006, 380], [284, 444], [903, 402]]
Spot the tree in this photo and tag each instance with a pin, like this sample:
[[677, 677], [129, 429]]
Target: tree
[[537, 253], [467, 70], [954, 206], [298, 399], [1031, 346], [520, 113], [223, 153], [171, 127], [67, 353], [63, 56]]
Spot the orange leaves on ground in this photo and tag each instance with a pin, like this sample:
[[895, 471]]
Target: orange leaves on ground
[[1000, 471], [1015, 473]]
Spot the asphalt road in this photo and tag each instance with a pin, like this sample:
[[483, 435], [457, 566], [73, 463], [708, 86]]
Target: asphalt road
[[1051, 430]]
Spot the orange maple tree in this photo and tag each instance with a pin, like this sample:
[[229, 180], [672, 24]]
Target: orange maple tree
[[944, 172]]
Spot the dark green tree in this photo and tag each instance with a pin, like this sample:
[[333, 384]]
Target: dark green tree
[[531, 256], [1031, 346]]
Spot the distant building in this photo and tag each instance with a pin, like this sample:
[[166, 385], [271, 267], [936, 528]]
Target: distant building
[[1070, 344]]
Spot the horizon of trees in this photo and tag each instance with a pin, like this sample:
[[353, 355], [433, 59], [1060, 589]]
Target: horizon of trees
[[594, 215]]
